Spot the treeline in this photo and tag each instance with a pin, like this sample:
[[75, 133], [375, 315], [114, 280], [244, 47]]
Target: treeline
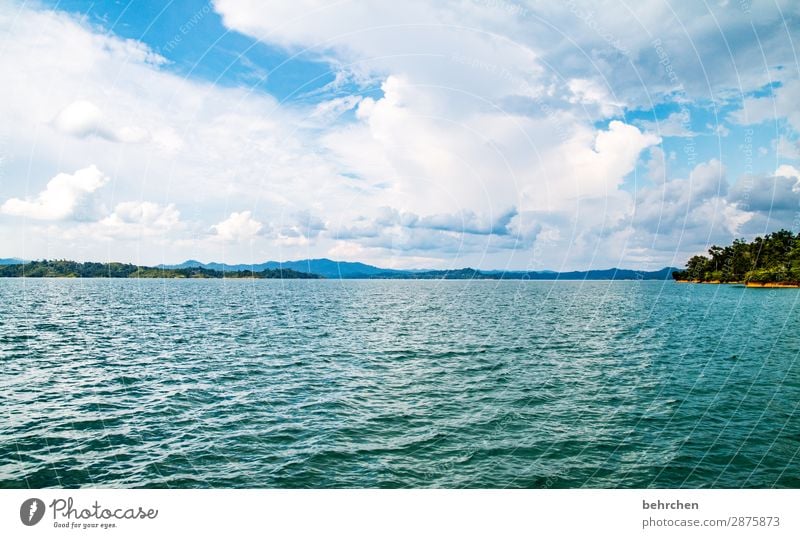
[[774, 258], [71, 269], [475, 274], [444, 274]]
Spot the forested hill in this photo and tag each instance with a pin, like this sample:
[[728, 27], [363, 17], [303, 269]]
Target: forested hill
[[357, 270], [345, 270], [66, 268], [774, 258]]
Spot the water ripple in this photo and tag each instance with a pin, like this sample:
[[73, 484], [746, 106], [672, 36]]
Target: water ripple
[[397, 384]]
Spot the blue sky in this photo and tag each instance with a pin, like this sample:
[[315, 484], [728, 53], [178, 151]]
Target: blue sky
[[465, 132], [190, 34]]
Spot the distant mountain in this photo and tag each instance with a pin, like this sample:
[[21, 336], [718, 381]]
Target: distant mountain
[[349, 270], [71, 269], [11, 261], [333, 269], [605, 274], [473, 274], [320, 266]]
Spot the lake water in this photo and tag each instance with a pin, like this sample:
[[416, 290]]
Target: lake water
[[267, 383]]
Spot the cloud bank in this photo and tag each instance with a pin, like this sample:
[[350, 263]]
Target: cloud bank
[[520, 135]]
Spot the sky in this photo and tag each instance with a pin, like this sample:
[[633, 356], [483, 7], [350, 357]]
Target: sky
[[482, 133]]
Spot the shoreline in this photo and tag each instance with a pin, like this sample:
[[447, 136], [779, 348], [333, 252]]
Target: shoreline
[[771, 285], [706, 282], [745, 284]]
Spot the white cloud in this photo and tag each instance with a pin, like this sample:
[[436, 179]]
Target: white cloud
[[676, 204], [84, 119], [787, 149], [619, 147], [328, 111], [415, 38], [238, 227], [66, 196], [591, 164], [719, 129], [482, 109], [466, 222], [573, 40], [683, 216], [782, 103], [657, 165], [139, 219], [299, 228], [676, 124], [208, 146], [787, 170], [767, 194], [589, 93]]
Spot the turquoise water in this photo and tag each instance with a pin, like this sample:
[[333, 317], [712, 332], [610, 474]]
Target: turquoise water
[[212, 383]]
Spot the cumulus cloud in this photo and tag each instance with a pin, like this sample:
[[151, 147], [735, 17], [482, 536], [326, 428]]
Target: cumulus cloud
[[238, 227], [681, 204], [618, 148], [510, 45], [590, 164], [767, 194], [205, 144], [467, 232], [451, 112], [589, 93], [657, 165], [430, 43], [771, 201], [299, 228], [412, 241], [780, 103], [467, 222], [679, 217], [139, 219], [787, 149], [786, 170], [84, 119], [66, 196], [707, 180]]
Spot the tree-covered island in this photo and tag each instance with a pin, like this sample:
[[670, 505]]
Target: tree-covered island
[[71, 269], [769, 261]]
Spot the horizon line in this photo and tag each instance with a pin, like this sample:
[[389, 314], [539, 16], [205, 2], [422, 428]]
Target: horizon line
[[168, 265]]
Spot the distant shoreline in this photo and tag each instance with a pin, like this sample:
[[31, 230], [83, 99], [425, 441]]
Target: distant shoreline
[[317, 268], [71, 269], [360, 279], [745, 284]]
